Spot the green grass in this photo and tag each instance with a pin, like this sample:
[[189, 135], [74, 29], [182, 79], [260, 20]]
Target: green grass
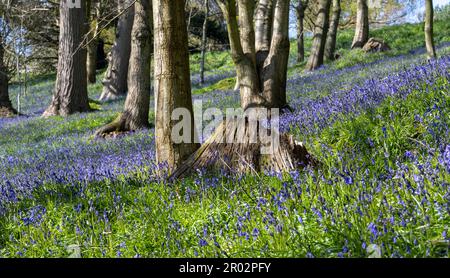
[[401, 38], [222, 85]]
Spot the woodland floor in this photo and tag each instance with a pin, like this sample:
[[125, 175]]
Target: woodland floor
[[379, 123]]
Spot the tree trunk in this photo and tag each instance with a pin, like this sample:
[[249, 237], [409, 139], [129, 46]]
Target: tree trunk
[[70, 94], [300, 10], [320, 36], [115, 81], [263, 34], [330, 46], [276, 64], [172, 83], [93, 45], [246, 69], [137, 103], [204, 41], [5, 103], [362, 25], [246, 10], [429, 17], [191, 10]]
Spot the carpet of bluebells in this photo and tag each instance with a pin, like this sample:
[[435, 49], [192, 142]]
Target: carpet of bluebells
[[380, 129]]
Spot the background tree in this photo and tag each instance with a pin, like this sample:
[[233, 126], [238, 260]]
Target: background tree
[[362, 25], [93, 17], [320, 35], [70, 95], [5, 103], [137, 103], [115, 80], [330, 45], [204, 41], [172, 80], [300, 11], [429, 41], [6, 108]]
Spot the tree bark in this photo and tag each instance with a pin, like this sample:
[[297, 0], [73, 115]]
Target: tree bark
[[300, 10], [429, 40], [172, 82], [70, 95], [362, 25], [204, 42], [247, 32], [330, 46], [5, 103], [245, 67], [137, 103], [320, 36], [93, 45], [263, 34], [115, 81], [275, 66]]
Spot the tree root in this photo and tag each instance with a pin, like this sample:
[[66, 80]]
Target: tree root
[[121, 125]]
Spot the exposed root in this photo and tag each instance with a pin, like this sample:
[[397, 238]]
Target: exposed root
[[122, 125]]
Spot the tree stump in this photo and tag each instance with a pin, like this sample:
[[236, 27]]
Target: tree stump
[[376, 45], [220, 154]]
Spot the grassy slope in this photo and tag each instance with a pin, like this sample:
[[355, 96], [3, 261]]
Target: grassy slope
[[253, 216]]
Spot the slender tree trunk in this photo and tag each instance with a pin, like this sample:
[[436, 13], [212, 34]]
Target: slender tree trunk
[[330, 46], [204, 42], [115, 81], [247, 31], [429, 17], [93, 45], [70, 95], [300, 10], [172, 83], [320, 36], [5, 103], [362, 25], [191, 10], [275, 66], [263, 33]]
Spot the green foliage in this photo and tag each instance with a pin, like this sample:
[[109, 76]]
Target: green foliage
[[214, 61], [442, 13], [222, 85]]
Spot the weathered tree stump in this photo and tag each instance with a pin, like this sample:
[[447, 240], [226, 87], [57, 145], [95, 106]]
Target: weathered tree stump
[[376, 45], [221, 152]]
